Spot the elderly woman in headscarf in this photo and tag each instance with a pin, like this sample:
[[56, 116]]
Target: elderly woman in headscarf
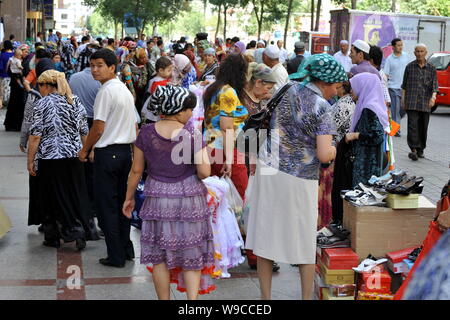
[[211, 65], [239, 47], [184, 73], [141, 70], [367, 131], [301, 130], [58, 129]]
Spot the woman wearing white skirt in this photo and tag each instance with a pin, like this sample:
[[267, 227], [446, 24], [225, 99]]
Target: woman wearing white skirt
[[284, 199]]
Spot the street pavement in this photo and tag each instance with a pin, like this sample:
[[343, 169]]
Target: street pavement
[[31, 271]]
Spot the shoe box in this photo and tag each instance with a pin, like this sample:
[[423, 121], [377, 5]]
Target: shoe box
[[332, 292], [395, 260], [379, 230], [339, 258], [374, 296], [398, 201], [378, 280], [337, 277]]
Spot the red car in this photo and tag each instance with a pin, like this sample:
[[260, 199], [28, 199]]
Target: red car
[[441, 61]]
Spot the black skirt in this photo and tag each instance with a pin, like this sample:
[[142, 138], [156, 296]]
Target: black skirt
[[64, 202], [16, 106]]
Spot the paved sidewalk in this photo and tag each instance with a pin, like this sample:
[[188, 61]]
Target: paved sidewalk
[[31, 271]]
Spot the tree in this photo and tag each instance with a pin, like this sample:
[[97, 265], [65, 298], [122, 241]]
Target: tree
[[319, 7], [112, 9], [288, 18]]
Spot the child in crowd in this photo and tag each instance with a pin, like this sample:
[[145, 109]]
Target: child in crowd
[[176, 235], [15, 65], [164, 69]]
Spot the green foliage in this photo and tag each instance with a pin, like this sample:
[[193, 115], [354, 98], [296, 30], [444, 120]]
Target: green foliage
[[99, 26]]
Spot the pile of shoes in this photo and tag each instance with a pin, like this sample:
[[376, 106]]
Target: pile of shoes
[[333, 236], [397, 182], [378, 188], [364, 195], [414, 254]]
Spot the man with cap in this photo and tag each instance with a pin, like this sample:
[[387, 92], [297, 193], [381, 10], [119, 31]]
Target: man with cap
[[299, 50], [343, 56], [360, 56], [271, 57]]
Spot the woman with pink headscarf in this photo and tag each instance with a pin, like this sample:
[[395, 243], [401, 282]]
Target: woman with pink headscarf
[[367, 131]]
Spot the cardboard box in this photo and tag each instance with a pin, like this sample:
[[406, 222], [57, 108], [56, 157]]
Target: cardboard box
[[374, 296], [398, 201], [379, 230], [339, 258], [336, 277], [327, 295], [378, 280]]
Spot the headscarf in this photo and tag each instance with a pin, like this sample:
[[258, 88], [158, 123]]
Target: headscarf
[[259, 55], [180, 62], [191, 57], [321, 66], [130, 45], [210, 51], [24, 47], [241, 47], [141, 54], [168, 100], [44, 65], [367, 87], [59, 79], [204, 44]]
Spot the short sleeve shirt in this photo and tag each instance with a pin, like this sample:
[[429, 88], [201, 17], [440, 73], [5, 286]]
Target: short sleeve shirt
[[302, 115], [114, 105], [225, 103], [60, 126]]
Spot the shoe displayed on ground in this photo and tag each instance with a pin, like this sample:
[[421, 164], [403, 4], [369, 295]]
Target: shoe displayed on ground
[[413, 156], [275, 267], [368, 264], [108, 263]]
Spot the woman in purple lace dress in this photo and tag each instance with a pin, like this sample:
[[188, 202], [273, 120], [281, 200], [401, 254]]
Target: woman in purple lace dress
[[176, 235]]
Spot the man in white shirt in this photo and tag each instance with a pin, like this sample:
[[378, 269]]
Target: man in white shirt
[[343, 56], [283, 52], [113, 132], [271, 59], [394, 68]]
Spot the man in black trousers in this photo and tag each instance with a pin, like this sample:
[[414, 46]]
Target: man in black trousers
[[113, 132]]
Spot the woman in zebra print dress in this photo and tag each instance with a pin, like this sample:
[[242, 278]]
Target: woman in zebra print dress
[[58, 128]]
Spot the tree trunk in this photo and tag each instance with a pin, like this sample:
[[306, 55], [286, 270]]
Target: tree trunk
[[394, 4], [353, 4], [155, 30], [116, 28], [219, 14], [288, 18], [319, 7], [225, 23], [312, 15]]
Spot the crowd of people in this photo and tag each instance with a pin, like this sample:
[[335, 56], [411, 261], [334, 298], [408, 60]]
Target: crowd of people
[[97, 116]]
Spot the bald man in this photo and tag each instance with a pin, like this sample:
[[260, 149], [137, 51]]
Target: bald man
[[420, 88], [343, 56]]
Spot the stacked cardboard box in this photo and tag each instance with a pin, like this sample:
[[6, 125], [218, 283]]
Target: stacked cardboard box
[[375, 285], [378, 230], [335, 279]]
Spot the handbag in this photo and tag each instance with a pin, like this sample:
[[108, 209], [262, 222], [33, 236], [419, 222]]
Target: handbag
[[260, 120]]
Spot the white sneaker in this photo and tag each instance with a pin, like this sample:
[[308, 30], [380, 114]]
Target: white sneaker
[[368, 264]]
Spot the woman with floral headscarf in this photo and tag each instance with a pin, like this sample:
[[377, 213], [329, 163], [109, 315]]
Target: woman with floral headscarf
[[125, 53], [141, 72], [301, 131]]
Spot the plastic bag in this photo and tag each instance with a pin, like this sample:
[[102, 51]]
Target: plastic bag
[[235, 201], [246, 211], [139, 198]]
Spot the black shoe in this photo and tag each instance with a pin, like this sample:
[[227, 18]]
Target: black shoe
[[41, 228], [80, 244], [420, 154], [413, 156], [107, 263], [52, 244], [129, 257], [275, 267]]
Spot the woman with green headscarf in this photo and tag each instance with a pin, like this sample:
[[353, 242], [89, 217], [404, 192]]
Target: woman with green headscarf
[[282, 226]]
